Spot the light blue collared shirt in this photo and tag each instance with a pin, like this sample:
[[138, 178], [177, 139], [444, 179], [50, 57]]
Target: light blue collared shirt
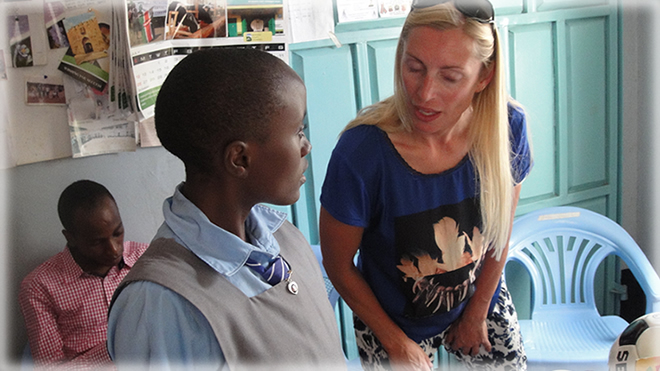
[[155, 328]]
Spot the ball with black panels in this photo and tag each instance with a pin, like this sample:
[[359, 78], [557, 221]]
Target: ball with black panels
[[638, 347]]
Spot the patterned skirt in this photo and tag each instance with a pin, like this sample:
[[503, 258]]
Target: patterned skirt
[[507, 351]]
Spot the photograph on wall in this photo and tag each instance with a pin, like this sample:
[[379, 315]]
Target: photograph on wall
[[53, 16], [393, 8], [88, 40], [44, 90], [146, 21], [87, 58], [20, 44], [255, 20], [193, 19]]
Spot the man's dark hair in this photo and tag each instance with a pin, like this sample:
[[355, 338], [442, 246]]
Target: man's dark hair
[[80, 195], [216, 96]]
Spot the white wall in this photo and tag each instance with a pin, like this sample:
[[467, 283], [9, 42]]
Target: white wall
[[641, 124]]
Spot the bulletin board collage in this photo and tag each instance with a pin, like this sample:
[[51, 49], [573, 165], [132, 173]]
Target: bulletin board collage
[[119, 52], [101, 63]]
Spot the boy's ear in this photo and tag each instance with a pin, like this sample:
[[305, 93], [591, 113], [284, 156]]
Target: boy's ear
[[236, 158]]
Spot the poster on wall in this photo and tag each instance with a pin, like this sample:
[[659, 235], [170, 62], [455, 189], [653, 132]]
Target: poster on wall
[[93, 127], [28, 45], [310, 20], [20, 42], [160, 33], [93, 137], [112, 57], [356, 10], [363, 10], [393, 8], [86, 59]]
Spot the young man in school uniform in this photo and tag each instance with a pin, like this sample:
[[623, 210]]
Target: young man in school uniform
[[228, 283], [65, 300]]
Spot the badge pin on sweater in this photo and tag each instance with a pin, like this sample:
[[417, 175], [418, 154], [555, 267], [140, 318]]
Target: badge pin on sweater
[[291, 285]]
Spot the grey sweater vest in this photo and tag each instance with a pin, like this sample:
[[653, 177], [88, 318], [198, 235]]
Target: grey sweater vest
[[273, 330]]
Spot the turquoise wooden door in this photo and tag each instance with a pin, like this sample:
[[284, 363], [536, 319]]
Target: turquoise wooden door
[[339, 82], [564, 68], [563, 59]]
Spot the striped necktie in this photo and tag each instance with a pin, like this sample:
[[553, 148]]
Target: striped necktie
[[277, 271]]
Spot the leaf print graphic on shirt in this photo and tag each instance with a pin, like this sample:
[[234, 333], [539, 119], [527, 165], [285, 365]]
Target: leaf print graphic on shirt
[[438, 263]]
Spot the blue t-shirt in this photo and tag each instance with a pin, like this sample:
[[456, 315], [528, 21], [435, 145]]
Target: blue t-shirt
[[422, 246]]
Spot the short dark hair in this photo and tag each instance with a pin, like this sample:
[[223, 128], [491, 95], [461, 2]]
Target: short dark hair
[[80, 195], [216, 96]]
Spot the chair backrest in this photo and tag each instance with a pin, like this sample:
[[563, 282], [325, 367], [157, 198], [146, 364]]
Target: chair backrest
[[333, 295], [562, 247]]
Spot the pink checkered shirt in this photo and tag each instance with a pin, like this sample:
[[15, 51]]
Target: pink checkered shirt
[[66, 310]]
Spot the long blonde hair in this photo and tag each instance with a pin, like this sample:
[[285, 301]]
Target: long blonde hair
[[489, 129]]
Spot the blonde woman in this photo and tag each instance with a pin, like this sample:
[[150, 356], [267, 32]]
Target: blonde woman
[[425, 185]]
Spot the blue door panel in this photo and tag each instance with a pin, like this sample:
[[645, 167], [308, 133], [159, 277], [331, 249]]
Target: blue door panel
[[533, 84], [587, 88], [381, 60], [544, 5], [598, 205], [328, 75], [503, 7]]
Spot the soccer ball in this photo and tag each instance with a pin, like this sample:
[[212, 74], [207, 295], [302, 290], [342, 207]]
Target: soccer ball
[[638, 346]]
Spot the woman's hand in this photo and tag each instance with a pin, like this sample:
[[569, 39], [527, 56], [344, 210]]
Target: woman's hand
[[467, 335], [469, 332], [408, 356], [339, 243]]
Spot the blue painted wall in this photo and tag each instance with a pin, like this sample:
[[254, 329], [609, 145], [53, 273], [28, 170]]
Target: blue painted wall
[[563, 67]]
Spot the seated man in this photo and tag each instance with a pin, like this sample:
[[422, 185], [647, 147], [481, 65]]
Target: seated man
[[65, 300], [228, 283]]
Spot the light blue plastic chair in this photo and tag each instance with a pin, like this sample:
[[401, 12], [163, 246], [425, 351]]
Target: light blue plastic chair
[[333, 296], [561, 248]]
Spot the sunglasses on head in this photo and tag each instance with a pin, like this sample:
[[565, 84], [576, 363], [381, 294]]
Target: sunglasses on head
[[479, 10]]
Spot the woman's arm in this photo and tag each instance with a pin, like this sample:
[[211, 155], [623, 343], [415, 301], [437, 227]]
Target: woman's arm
[[339, 244], [469, 331]]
